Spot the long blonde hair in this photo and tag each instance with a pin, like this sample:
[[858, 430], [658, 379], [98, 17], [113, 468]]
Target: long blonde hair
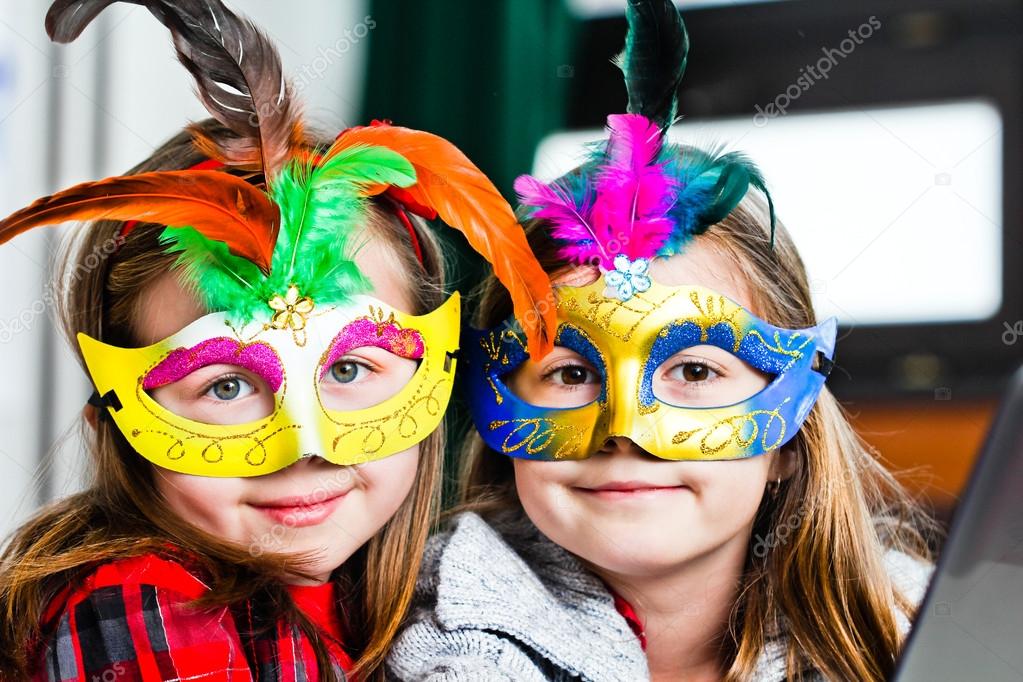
[[841, 509], [121, 514]]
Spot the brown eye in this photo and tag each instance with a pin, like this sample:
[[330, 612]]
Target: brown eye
[[694, 372], [574, 375]]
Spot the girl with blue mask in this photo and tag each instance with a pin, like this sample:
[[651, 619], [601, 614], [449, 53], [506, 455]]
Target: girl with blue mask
[[671, 492]]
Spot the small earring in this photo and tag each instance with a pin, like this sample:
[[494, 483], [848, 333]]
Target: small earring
[[775, 487]]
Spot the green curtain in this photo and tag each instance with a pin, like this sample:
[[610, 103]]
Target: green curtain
[[491, 76]]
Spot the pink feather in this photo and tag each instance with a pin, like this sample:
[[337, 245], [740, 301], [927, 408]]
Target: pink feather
[[567, 219], [634, 193]]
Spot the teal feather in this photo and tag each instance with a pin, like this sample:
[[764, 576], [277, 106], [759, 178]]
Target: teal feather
[[654, 59], [711, 185]]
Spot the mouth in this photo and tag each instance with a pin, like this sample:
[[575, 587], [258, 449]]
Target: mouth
[[297, 512], [618, 490]]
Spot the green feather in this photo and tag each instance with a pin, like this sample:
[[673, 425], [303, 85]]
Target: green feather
[[322, 208], [225, 281]]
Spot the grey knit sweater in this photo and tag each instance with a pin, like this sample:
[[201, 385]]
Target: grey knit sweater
[[502, 602]]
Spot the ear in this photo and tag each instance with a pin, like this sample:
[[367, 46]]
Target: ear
[[783, 464], [91, 415]]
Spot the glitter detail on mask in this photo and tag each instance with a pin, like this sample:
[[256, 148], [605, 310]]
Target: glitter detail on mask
[[571, 337], [734, 426], [388, 335], [258, 358]]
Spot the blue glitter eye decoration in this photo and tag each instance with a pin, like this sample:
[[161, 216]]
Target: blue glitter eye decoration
[[573, 338], [753, 349]]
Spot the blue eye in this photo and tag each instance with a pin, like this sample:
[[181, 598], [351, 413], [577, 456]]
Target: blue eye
[[346, 371], [229, 388]]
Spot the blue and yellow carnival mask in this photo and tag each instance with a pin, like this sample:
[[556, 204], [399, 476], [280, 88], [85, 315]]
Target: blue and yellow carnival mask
[[627, 342]]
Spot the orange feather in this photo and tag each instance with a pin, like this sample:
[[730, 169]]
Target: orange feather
[[464, 198], [221, 207]]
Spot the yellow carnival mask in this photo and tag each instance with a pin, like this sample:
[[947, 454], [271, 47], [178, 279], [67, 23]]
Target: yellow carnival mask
[[265, 228], [381, 401]]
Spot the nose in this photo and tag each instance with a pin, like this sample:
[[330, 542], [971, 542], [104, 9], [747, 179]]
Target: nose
[[309, 443], [620, 420], [622, 445]]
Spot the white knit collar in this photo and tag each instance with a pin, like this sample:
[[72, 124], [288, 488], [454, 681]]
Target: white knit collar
[[552, 604]]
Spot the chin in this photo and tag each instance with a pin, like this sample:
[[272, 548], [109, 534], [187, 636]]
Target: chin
[[638, 553]]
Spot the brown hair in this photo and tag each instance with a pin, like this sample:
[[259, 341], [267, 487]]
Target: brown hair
[[829, 589], [121, 514]]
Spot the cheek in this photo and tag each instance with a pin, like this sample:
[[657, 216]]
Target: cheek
[[211, 504], [542, 486], [545, 491], [731, 491], [387, 482]]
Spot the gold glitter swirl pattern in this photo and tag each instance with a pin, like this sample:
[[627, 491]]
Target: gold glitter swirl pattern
[[716, 314], [178, 447], [407, 424], [601, 310], [142, 397], [534, 435], [734, 426], [786, 347], [493, 344]]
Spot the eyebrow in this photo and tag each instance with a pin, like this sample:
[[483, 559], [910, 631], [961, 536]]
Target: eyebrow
[[258, 358], [404, 342]]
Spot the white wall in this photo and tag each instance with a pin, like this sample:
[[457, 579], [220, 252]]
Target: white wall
[[118, 92]]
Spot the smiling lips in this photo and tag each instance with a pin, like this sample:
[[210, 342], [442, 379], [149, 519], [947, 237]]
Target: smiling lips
[[616, 490], [297, 512]]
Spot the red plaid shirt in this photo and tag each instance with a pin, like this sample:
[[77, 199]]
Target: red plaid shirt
[[129, 621]]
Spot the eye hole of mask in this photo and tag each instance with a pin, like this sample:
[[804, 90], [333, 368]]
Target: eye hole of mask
[[368, 363], [364, 377], [706, 376], [217, 394], [563, 379]]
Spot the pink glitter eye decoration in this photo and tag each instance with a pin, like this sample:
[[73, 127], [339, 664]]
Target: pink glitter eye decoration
[[258, 358], [403, 342]]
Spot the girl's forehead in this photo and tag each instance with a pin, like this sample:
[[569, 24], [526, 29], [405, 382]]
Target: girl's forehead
[[164, 307], [385, 271], [705, 266]]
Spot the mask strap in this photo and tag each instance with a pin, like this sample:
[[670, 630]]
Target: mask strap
[[824, 364], [108, 399]]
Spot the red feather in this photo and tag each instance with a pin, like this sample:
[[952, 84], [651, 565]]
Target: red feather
[[216, 204]]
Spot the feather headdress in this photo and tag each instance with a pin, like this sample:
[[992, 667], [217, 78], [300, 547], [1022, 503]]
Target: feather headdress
[[638, 196], [243, 243]]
